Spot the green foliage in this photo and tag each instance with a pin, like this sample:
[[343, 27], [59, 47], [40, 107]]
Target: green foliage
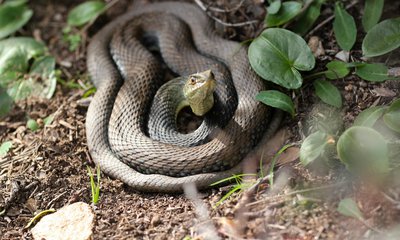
[[277, 55], [336, 69], [277, 99], [308, 18], [350, 208], [48, 120], [372, 13], [344, 28], [73, 39], [369, 116], [382, 38], [18, 77], [287, 11], [374, 72], [239, 186], [32, 125], [85, 12], [313, 147], [13, 15], [95, 186], [5, 147], [392, 116], [328, 93], [274, 7], [363, 150]]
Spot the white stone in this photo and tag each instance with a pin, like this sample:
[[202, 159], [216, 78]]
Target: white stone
[[74, 221]]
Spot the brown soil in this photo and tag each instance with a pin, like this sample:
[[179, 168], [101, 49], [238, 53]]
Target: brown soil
[[48, 168]]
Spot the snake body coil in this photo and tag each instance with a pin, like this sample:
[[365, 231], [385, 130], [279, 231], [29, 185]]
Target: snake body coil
[[127, 76]]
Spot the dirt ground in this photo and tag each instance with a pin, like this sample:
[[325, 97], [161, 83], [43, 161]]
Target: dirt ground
[[48, 168]]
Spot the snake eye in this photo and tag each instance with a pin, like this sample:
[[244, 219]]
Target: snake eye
[[192, 81]]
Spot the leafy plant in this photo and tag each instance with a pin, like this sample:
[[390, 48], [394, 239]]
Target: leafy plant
[[350, 208], [25, 70], [287, 11], [372, 13], [277, 99], [239, 186], [5, 147], [278, 55], [83, 14], [382, 38], [95, 186], [344, 28], [328, 93], [13, 15]]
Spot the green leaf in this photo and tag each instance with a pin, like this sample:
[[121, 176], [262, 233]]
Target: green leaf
[[5, 147], [13, 15], [328, 93], [32, 125], [313, 147], [374, 72], [344, 28], [15, 54], [337, 69], [85, 12], [287, 11], [276, 99], [20, 79], [382, 38], [363, 150], [369, 116], [274, 7], [350, 208], [308, 18], [392, 116], [277, 55], [372, 13]]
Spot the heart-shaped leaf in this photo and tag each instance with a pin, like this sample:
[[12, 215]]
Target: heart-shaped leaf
[[382, 38], [328, 93], [344, 28], [13, 15], [277, 99], [277, 55]]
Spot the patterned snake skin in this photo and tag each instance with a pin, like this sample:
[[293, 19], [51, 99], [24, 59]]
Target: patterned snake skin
[[127, 76]]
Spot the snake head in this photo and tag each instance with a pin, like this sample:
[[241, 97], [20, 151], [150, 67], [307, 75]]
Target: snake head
[[198, 91]]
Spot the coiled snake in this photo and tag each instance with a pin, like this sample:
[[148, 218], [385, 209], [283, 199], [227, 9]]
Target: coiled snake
[[127, 76]]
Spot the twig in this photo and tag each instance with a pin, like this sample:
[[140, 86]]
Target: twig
[[205, 9], [214, 9], [328, 20]]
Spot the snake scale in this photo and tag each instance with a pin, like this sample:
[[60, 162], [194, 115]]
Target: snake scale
[[127, 75]]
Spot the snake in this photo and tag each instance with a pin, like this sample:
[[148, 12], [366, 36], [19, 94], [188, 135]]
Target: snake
[[125, 60]]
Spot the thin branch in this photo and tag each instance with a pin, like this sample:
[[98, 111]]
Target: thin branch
[[205, 9]]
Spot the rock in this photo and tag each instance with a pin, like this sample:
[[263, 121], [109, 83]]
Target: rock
[[74, 221]]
